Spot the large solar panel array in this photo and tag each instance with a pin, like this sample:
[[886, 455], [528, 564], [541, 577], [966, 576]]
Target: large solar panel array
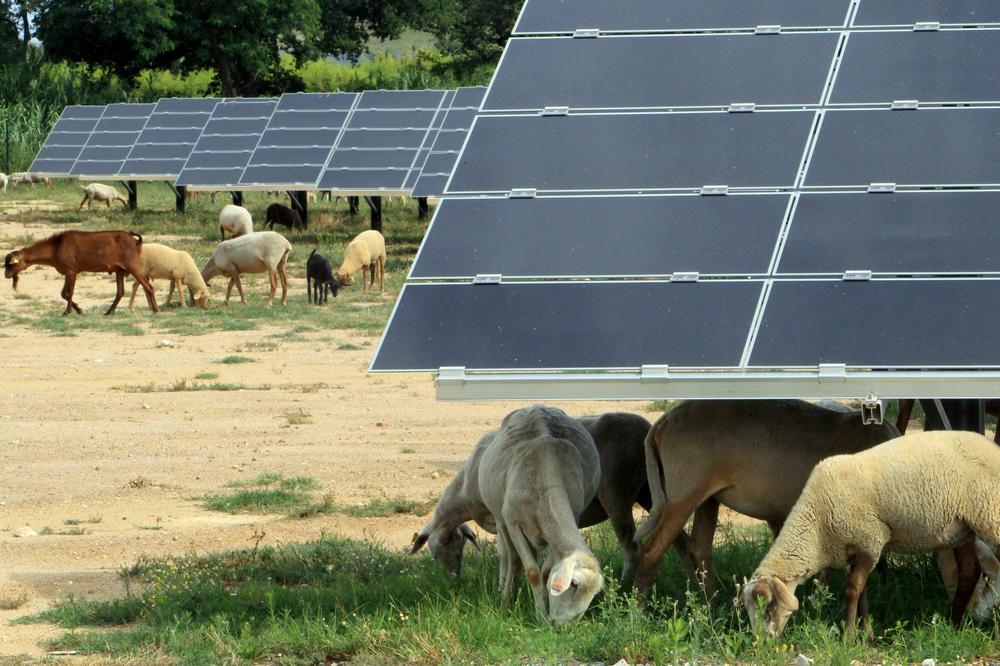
[[166, 141], [702, 198], [68, 137], [448, 142], [111, 141]]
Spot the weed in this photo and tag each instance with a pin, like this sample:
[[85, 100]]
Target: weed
[[12, 602], [235, 359], [662, 406], [207, 375], [380, 508], [298, 418]]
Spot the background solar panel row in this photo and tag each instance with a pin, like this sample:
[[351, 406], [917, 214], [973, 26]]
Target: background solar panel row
[[226, 144], [448, 142], [167, 139], [68, 137], [111, 141]]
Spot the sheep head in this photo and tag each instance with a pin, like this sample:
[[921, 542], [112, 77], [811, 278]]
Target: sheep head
[[446, 545], [573, 583], [12, 265], [343, 278], [776, 597], [987, 592]]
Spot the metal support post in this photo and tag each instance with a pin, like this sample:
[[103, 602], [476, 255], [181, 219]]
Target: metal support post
[[133, 195], [180, 198], [300, 202], [422, 208], [375, 204], [237, 197], [352, 205]]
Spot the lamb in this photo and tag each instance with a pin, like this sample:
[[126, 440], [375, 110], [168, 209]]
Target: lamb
[[73, 252], [319, 277], [256, 252], [619, 439], [918, 493], [366, 251], [536, 478], [160, 261], [98, 192], [745, 454], [283, 215], [236, 220]]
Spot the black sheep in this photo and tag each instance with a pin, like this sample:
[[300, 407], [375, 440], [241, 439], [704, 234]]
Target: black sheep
[[319, 273], [283, 215]]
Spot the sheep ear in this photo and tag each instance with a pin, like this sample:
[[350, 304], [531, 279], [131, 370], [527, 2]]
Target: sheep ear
[[470, 535], [561, 577], [987, 559], [784, 596], [418, 541]]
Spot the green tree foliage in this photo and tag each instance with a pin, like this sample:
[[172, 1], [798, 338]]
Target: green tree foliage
[[474, 32], [11, 47]]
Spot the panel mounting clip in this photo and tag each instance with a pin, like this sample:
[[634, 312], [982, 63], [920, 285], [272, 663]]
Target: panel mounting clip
[[487, 278], [767, 30], [881, 188], [522, 193], [451, 374], [714, 190], [905, 105], [857, 276], [871, 410], [586, 33], [830, 373], [926, 26], [742, 107], [555, 111], [654, 372], [681, 276]]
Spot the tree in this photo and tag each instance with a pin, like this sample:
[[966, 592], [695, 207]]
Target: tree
[[11, 48], [474, 32], [347, 25]]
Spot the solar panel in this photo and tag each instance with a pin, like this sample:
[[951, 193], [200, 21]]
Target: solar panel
[[224, 148], [68, 137], [911, 12], [448, 141], [167, 139], [629, 72], [111, 141], [559, 16], [605, 152]]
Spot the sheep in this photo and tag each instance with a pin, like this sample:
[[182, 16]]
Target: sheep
[[283, 215], [73, 252], [3, 182], [98, 192], [747, 455], [236, 220], [536, 478], [366, 251], [319, 277], [256, 252], [917, 493], [619, 439], [160, 261]]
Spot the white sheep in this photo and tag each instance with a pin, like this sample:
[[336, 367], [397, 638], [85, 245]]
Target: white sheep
[[161, 262], [256, 252], [365, 252], [919, 493], [98, 192], [536, 478], [236, 220], [3, 182]]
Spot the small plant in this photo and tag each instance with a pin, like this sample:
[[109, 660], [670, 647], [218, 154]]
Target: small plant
[[207, 375], [659, 406], [381, 508], [93, 520], [234, 359], [10, 602], [267, 493], [298, 418], [348, 346], [407, 450]]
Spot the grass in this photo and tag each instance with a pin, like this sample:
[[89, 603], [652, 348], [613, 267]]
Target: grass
[[268, 493], [336, 600], [235, 359], [183, 385], [381, 508], [69, 531], [10, 602], [298, 418], [207, 375], [661, 406]]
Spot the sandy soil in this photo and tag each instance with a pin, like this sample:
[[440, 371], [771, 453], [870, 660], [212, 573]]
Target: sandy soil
[[78, 447]]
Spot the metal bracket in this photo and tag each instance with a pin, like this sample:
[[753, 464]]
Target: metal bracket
[[126, 186], [586, 33], [871, 410], [714, 190], [451, 375], [555, 111], [487, 278], [832, 373], [926, 26], [742, 107], [522, 193], [905, 104], [881, 188], [857, 276], [654, 372], [767, 30], [681, 276]]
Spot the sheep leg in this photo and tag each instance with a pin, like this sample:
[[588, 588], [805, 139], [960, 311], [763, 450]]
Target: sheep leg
[[180, 292], [283, 278], [669, 524], [969, 572], [706, 518], [86, 198], [119, 291], [239, 288], [274, 286], [511, 570], [131, 300], [855, 587], [364, 279], [620, 515], [67, 293], [309, 289], [381, 275], [229, 290], [146, 285], [531, 570]]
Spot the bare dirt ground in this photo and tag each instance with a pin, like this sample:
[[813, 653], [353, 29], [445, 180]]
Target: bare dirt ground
[[78, 447]]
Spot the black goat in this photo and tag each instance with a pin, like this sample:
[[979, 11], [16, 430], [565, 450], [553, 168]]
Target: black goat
[[283, 215], [319, 278]]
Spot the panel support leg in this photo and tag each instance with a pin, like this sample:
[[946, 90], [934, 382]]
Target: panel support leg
[[375, 204], [237, 198], [180, 198], [422, 208], [954, 415], [133, 194], [300, 202], [352, 205]]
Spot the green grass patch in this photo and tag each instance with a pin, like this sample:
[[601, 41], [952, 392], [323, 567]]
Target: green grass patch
[[207, 375], [661, 406], [383, 507], [267, 493], [235, 359], [349, 346]]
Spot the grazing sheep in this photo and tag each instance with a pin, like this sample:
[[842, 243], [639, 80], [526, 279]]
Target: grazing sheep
[[319, 277], [236, 220], [367, 252], [745, 454], [161, 262], [986, 595], [536, 478], [619, 439], [98, 192], [915, 494], [73, 252], [3, 182], [283, 215], [256, 252]]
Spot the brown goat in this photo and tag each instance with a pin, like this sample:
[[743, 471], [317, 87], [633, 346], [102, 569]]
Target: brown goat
[[73, 252]]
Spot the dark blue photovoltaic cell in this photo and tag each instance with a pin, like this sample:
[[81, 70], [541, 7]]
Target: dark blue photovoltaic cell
[[112, 139], [909, 12], [429, 185], [64, 143], [400, 99], [290, 156], [316, 101], [186, 105], [941, 66], [217, 161], [554, 16], [307, 120], [440, 163], [925, 147], [904, 233], [632, 151], [219, 177], [624, 72], [236, 126], [572, 236], [468, 98], [569, 325], [880, 324], [373, 159], [232, 143], [168, 138], [361, 180], [157, 151], [280, 175], [380, 119], [382, 139]]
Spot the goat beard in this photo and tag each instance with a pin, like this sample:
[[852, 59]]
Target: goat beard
[[14, 278]]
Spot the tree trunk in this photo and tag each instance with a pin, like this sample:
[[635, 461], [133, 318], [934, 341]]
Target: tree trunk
[[225, 73], [25, 27]]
